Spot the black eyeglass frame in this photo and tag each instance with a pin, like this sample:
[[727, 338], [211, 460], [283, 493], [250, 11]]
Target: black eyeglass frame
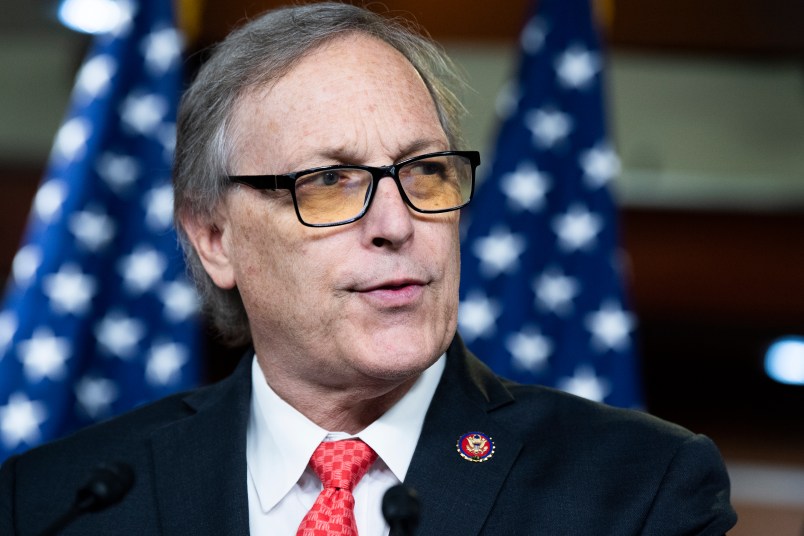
[[287, 181]]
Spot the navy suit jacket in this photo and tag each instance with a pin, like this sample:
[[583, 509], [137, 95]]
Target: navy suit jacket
[[562, 466]]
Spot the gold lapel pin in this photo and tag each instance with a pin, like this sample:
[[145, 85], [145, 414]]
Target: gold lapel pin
[[475, 447]]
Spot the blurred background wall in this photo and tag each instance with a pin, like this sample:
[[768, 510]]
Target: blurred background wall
[[706, 106]]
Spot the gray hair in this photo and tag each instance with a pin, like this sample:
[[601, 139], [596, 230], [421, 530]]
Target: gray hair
[[256, 56]]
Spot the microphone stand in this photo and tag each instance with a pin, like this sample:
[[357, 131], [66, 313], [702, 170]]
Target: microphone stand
[[400, 508], [107, 485]]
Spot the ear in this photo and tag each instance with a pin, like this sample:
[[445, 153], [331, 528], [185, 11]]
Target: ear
[[208, 239]]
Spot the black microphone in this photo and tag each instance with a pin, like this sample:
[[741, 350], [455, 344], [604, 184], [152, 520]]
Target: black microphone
[[107, 485], [400, 508]]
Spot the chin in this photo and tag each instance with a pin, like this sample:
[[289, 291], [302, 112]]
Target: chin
[[400, 357]]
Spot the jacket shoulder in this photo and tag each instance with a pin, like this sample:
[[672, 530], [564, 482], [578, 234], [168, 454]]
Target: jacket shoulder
[[46, 478], [663, 476], [585, 417]]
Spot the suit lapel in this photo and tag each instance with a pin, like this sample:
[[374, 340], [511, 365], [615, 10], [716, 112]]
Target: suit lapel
[[456, 494], [200, 462]]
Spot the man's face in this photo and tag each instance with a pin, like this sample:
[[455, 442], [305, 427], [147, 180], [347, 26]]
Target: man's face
[[370, 302]]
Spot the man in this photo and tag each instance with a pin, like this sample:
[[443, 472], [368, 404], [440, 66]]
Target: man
[[318, 177]]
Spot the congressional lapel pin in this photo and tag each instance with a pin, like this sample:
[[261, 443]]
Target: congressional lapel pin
[[475, 447]]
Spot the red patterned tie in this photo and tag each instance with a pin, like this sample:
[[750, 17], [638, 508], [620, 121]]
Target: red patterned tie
[[340, 465]]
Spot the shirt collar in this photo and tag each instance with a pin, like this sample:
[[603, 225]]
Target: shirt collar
[[394, 435], [280, 440]]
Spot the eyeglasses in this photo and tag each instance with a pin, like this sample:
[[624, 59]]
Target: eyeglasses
[[337, 195]]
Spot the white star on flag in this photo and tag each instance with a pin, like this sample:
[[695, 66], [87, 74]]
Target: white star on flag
[[69, 289], [119, 334], [164, 363], [44, 355], [525, 188], [529, 348], [92, 228], [499, 252], [71, 139], [159, 207], [118, 171], [555, 291], [600, 165], [577, 228], [25, 263], [548, 126], [477, 315], [180, 299], [161, 49], [533, 36], [20, 420], [586, 383], [166, 134], [95, 76], [576, 67], [610, 327], [123, 17], [142, 269], [95, 396], [49, 199], [143, 113]]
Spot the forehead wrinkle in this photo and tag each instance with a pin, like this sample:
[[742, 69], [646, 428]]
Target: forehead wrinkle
[[355, 142], [374, 123], [349, 154], [381, 114]]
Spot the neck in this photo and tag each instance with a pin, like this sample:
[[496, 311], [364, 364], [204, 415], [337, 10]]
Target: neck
[[339, 408]]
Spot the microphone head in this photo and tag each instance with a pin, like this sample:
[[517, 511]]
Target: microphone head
[[400, 507], [107, 485]]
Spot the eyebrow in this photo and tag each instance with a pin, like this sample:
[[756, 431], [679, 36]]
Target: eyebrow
[[348, 155]]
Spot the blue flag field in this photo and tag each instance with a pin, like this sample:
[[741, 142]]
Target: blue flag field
[[98, 315], [542, 298]]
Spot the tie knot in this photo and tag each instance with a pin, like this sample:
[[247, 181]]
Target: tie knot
[[341, 464]]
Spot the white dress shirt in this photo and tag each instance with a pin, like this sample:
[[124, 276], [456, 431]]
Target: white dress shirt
[[280, 441]]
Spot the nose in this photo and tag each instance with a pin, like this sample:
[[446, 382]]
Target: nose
[[388, 222]]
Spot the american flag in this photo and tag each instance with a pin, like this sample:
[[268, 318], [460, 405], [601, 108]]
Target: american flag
[[542, 299], [99, 315]]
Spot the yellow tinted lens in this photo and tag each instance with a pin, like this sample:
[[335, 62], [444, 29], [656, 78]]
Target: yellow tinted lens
[[438, 182], [333, 195]]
